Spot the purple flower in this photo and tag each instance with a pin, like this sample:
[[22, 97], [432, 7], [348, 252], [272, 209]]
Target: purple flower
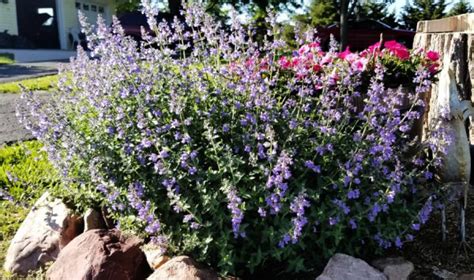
[[297, 207], [398, 242], [312, 166], [237, 214], [333, 221], [276, 181], [353, 194], [376, 209], [353, 224], [425, 212], [226, 127], [342, 206], [415, 227]]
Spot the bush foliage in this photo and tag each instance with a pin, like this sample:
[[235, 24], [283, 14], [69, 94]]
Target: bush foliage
[[243, 154]]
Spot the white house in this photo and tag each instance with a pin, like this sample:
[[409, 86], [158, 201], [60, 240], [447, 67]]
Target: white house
[[49, 24]]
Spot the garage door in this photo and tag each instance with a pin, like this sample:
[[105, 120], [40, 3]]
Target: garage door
[[90, 9]]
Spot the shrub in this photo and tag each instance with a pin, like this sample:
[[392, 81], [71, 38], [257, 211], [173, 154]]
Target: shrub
[[213, 145]]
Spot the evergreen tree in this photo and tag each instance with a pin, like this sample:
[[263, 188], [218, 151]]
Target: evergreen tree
[[320, 13], [376, 10], [422, 10], [461, 7]]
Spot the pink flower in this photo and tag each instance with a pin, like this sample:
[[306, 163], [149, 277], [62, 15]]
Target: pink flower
[[374, 48], [250, 62], [342, 55], [433, 68], [326, 59], [304, 49], [432, 55], [284, 62], [295, 62], [359, 64], [397, 49], [314, 45]]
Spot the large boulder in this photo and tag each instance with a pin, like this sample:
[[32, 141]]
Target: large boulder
[[344, 267], [180, 268], [47, 227], [101, 254], [395, 268]]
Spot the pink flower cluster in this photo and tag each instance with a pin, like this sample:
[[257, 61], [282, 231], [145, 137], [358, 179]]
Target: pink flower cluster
[[311, 58]]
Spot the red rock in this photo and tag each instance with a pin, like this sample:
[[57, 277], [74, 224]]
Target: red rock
[[72, 227], [101, 254]]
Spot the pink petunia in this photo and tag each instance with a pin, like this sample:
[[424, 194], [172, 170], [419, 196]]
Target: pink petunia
[[432, 55], [342, 55], [317, 68], [374, 48], [359, 64], [397, 49], [314, 45], [433, 68], [304, 49], [284, 62]]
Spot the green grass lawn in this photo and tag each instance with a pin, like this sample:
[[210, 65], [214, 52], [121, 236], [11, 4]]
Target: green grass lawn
[[6, 58], [42, 83], [26, 173]]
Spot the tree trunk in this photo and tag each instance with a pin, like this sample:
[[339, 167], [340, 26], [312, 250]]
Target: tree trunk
[[343, 23]]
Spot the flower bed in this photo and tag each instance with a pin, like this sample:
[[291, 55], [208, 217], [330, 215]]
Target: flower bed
[[239, 154]]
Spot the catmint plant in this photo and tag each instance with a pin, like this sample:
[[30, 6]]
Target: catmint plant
[[242, 153]]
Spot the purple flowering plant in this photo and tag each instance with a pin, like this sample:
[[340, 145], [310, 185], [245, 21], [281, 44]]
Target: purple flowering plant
[[206, 143]]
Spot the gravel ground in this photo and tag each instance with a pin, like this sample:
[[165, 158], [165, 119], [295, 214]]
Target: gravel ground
[[10, 129]]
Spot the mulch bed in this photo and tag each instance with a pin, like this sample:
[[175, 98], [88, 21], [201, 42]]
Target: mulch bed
[[429, 253]]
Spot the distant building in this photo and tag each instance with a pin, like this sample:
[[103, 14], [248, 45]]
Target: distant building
[[49, 24]]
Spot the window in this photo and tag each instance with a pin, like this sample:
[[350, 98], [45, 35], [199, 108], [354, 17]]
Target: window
[[78, 5], [46, 15], [101, 9], [85, 7], [94, 8]]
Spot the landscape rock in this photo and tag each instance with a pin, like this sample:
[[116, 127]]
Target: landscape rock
[[180, 268], [101, 254], [444, 274], [154, 257], [93, 220], [344, 267], [39, 238], [394, 268], [469, 276], [72, 227]]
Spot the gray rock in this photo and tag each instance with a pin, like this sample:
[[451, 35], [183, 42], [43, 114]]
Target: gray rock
[[395, 268], [444, 274], [344, 267], [93, 220], [38, 239], [180, 268]]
